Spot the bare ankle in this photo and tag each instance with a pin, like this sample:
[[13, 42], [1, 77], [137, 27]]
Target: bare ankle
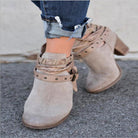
[[61, 45]]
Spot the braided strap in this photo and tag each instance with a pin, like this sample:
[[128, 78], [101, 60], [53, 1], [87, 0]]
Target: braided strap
[[90, 41], [54, 62], [49, 70], [73, 76]]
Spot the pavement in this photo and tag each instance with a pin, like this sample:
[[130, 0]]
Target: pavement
[[112, 113]]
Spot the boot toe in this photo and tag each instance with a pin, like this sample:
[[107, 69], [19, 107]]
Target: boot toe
[[42, 122]]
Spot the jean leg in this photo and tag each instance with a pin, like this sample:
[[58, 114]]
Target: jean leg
[[64, 18]]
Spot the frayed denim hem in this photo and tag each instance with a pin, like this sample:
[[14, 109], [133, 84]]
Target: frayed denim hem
[[57, 30]]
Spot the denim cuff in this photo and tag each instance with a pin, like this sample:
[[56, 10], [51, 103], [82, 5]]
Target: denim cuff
[[56, 30]]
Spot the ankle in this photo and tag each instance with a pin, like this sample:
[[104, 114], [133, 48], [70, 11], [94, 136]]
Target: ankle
[[61, 45]]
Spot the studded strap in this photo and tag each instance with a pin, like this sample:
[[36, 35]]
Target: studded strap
[[49, 70], [90, 42], [73, 76], [57, 78]]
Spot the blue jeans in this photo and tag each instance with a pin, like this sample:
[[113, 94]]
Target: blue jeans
[[64, 18]]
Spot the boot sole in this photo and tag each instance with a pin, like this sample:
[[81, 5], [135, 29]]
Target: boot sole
[[46, 126], [110, 85]]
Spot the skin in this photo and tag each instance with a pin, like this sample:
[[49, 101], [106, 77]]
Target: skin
[[62, 45]]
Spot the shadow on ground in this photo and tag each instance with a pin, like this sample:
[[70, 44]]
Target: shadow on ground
[[112, 113]]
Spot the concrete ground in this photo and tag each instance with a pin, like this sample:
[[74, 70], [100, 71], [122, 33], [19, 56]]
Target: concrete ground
[[112, 113]]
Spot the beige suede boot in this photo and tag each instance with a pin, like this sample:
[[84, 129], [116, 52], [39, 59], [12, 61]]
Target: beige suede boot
[[97, 49], [50, 100]]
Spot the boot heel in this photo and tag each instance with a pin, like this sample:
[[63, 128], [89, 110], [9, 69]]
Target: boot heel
[[120, 48]]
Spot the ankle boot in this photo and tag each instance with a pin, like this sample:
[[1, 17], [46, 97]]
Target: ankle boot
[[97, 49], [50, 100]]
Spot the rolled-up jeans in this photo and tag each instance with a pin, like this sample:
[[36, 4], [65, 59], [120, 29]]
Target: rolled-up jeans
[[64, 18]]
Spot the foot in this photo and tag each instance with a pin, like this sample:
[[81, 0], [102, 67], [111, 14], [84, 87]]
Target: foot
[[96, 49], [50, 100]]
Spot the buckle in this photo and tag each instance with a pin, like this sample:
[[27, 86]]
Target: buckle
[[75, 76]]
